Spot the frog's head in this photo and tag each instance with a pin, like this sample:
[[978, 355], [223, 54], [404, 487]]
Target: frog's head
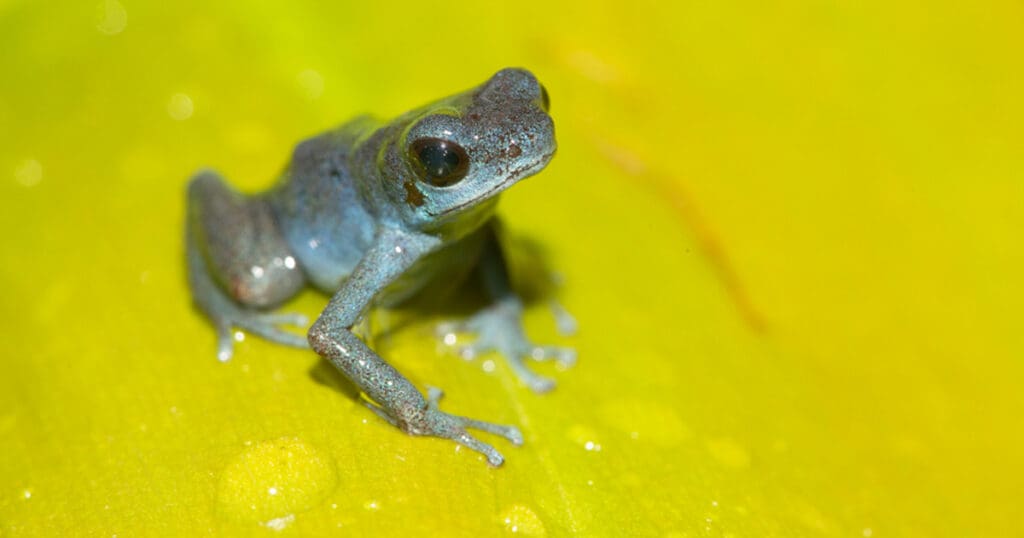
[[446, 163]]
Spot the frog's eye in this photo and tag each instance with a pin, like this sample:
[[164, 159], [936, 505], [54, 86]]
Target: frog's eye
[[441, 162]]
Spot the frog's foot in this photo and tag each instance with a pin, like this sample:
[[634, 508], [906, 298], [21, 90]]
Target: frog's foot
[[265, 325], [565, 323], [434, 422], [499, 328]]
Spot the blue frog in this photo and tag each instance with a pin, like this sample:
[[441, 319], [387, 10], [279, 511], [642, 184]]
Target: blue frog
[[374, 214]]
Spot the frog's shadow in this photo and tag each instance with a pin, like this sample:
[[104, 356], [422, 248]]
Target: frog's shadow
[[532, 279]]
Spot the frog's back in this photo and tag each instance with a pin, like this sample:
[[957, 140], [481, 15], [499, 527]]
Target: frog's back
[[319, 209]]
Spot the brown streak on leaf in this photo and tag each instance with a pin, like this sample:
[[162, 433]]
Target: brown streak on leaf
[[687, 211]]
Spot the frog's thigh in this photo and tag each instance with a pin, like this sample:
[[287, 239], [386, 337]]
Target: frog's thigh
[[239, 240]]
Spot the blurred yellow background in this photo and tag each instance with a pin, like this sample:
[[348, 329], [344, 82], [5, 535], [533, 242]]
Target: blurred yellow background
[[790, 232]]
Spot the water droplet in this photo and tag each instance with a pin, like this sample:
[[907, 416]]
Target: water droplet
[[272, 480], [311, 84], [521, 520], [111, 17], [27, 494], [728, 453], [371, 505], [180, 107], [280, 523], [29, 173], [646, 420]]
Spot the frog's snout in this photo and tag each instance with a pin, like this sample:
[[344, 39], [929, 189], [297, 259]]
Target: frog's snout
[[516, 83]]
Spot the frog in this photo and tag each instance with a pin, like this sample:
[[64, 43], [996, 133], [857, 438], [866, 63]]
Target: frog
[[375, 213]]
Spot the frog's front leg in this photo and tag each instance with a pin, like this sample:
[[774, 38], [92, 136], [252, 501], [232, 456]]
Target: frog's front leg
[[399, 402], [498, 327], [239, 264]]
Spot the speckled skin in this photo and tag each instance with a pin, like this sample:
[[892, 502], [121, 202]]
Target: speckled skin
[[354, 216]]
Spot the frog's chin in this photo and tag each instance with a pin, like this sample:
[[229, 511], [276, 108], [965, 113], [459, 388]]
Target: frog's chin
[[512, 178]]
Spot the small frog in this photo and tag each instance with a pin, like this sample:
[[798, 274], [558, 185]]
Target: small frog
[[376, 213]]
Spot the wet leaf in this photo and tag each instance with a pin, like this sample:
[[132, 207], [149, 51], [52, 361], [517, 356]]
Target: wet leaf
[[790, 234]]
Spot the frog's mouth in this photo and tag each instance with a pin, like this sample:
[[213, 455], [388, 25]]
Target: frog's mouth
[[512, 178]]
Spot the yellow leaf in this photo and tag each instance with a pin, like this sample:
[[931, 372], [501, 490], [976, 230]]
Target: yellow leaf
[[790, 234]]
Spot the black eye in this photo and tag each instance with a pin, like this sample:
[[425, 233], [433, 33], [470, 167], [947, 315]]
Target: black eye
[[441, 162], [544, 99]]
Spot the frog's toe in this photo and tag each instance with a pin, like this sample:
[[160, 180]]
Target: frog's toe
[[293, 319], [448, 333], [275, 334], [499, 329], [267, 326], [446, 330], [225, 341], [511, 433], [518, 350], [454, 427], [472, 350], [493, 456], [565, 323], [534, 381], [563, 356], [434, 422]]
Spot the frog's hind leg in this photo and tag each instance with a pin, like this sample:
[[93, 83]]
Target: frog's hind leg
[[239, 265]]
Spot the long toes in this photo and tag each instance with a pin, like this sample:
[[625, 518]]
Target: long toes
[[508, 432], [493, 456], [564, 356]]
